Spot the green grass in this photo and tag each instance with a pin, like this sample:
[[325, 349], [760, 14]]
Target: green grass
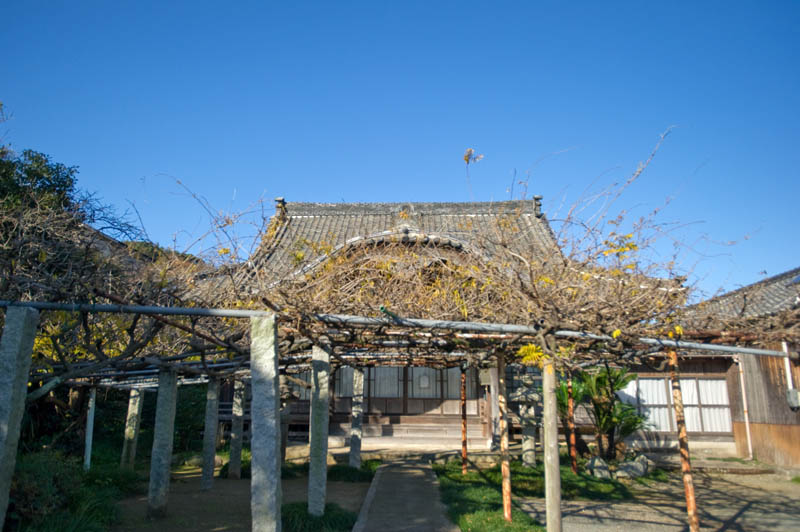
[[732, 459], [474, 500], [474, 503], [295, 518], [796, 480], [338, 472], [656, 475], [529, 482]]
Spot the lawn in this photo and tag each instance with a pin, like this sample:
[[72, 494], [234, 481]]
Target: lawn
[[474, 500]]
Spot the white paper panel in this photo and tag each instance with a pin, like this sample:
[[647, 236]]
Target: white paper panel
[[386, 382], [452, 388], [344, 382], [713, 391], [652, 392], [657, 418], [628, 394], [692, 414], [717, 419], [424, 383], [689, 391]]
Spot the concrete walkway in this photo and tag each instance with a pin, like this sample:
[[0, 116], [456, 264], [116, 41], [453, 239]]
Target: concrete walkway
[[725, 502], [404, 497]]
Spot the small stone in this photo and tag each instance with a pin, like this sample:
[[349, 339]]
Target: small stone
[[599, 468], [632, 469], [648, 464]]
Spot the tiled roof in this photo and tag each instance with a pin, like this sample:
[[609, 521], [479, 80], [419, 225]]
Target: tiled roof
[[337, 225], [772, 295]]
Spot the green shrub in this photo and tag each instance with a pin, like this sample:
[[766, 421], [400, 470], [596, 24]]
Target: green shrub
[[44, 483], [50, 491], [295, 518]]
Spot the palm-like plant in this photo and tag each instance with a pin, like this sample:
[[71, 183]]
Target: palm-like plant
[[613, 419]]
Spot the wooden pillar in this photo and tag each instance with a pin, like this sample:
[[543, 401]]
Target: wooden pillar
[[265, 479], [683, 444], [132, 422], [573, 451], [89, 436], [463, 421], [318, 431], [161, 455], [16, 346], [210, 434], [237, 430], [505, 466], [552, 471], [356, 417]]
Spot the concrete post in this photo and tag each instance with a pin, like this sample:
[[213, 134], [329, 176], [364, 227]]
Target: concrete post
[[161, 455], [132, 422], [356, 418], [318, 431], [265, 480], [285, 417], [463, 421], [494, 409], [87, 448], [528, 414], [16, 346], [237, 430], [552, 472], [210, 434]]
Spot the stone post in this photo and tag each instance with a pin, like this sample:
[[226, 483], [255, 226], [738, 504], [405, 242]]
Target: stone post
[[210, 434], [265, 480], [356, 418], [161, 455], [318, 431], [552, 471], [463, 421], [285, 417], [237, 430], [528, 415], [16, 346], [132, 421], [494, 409], [87, 448]]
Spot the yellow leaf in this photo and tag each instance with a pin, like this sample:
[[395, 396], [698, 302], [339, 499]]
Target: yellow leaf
[[679, 330], [616, 334]]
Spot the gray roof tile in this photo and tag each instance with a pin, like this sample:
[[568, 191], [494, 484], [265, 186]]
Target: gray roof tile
[[772, 295], [336, 224]]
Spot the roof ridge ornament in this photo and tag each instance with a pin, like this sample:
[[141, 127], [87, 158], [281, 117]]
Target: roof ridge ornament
[[537, 206], [280, 208]]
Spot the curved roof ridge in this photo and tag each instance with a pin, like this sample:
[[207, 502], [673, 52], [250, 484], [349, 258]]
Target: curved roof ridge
[[411, 207]]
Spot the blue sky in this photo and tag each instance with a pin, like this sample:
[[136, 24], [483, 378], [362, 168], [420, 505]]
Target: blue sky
[[377, 101]]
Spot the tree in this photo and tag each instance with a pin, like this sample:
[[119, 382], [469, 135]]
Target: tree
[[613, 419], [32, 179]]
